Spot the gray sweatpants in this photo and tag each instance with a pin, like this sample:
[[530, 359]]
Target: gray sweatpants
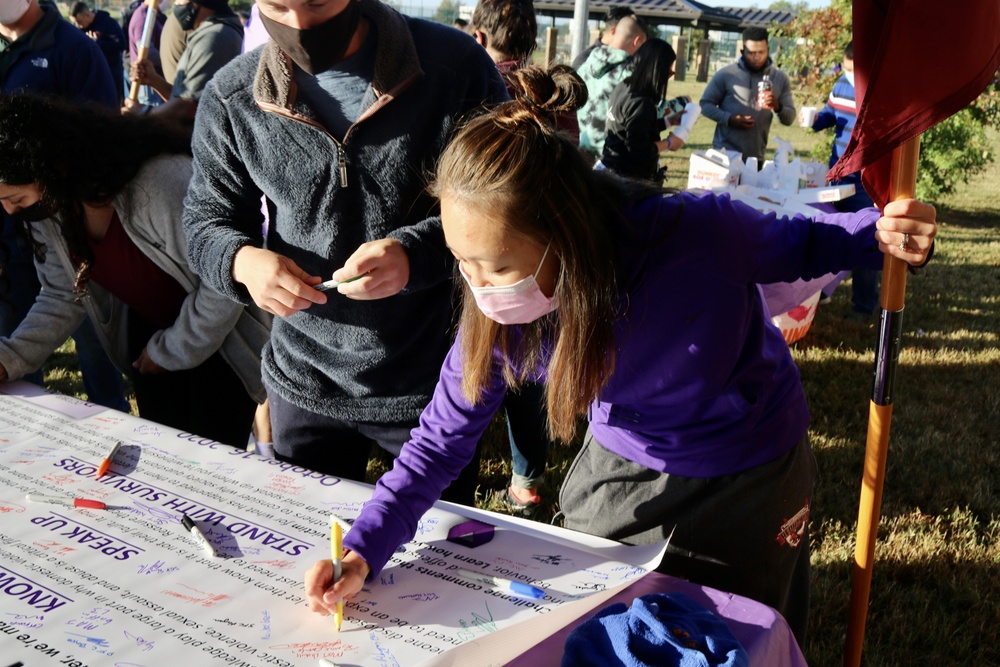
[[746, 533]]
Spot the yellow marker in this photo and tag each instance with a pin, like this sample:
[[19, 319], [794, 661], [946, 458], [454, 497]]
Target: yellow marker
[[336, 553]]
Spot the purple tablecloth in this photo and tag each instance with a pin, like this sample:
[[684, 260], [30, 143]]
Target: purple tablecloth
[[759, 628]]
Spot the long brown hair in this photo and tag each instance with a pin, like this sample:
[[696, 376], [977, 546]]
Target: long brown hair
[[512, 163]]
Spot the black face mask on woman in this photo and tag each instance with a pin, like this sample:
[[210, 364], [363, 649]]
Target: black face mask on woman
[[316, 49], [40, 210]]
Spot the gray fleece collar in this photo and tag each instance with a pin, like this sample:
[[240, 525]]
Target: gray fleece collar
[[396, 62]]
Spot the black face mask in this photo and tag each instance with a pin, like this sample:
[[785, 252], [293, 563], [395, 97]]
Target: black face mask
[[186, 15], [317, 49], [40, 210]]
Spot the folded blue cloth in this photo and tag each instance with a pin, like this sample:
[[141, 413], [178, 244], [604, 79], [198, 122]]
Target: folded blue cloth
[[656, 631]]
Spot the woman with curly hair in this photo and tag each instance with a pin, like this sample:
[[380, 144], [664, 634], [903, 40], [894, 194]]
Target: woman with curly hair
[[99, 197], [639, 311]]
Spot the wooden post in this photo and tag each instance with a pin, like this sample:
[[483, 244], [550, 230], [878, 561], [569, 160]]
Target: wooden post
[[704, 51], [551, 37], [680, 44]]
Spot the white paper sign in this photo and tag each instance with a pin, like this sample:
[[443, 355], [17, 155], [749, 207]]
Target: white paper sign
[[129, 586]]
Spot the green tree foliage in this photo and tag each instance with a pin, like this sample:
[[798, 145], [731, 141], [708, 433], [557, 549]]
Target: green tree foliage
[[951, 152], [786, 6], [447, 12], [959, 147], [815, 45]]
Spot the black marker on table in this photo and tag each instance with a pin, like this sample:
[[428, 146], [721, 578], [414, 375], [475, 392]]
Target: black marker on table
[[199, 537]]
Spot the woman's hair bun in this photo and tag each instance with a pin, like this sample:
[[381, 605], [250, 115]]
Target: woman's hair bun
[[549, 91]]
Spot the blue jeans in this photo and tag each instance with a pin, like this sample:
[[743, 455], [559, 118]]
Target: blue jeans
[[529, 440], [146, 93], [102, 381]]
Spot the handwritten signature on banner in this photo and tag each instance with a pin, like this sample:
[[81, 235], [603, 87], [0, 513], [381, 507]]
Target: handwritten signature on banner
[[34, 454], [221, 468], [626, 572], [335, 649], [158, 567], [344, 509], [425, 526], [173, 455], [552, 559], [61, 479], [383, 656], [141, 643], [276, 563], [27, 621], [479, 625], [53, 547], [286, 484], [153, 513], [420, 597], [200, 598], [106, 422], [92, 619], [96, 644], [265, 625], [10, 508], [150, 430]]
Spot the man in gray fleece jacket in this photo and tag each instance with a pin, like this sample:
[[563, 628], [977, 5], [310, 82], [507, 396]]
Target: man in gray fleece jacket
[[731, 99], [335, 121]]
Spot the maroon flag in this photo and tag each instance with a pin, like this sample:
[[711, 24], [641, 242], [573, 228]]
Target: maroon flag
[[916, 62]]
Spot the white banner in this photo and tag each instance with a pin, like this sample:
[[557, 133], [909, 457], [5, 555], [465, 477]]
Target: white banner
[[129, 586]]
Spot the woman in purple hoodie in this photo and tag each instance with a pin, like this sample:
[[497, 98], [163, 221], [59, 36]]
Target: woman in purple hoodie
[[639, 311]]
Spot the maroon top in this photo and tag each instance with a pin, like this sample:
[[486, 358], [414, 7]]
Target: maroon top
[[121, 268]]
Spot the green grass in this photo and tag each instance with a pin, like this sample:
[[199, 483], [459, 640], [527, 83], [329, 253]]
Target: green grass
[[936, 588]]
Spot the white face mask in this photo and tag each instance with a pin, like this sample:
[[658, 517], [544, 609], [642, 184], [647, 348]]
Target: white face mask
[[164, 6], [850, 77], [520, 303], [11, 11]]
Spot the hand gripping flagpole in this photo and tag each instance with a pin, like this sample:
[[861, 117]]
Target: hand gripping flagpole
[[144, 42], [902, 185]]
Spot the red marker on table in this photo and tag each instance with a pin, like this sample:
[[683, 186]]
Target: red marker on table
[[71, 502], [102, 469]]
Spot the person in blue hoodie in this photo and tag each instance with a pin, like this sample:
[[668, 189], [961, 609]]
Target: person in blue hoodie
[[840, 113], [640, 311]]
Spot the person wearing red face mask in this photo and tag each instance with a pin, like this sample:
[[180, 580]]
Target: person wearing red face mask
[[333, 121]]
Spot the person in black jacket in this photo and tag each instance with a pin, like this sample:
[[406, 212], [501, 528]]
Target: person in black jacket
[[635, 119], [105, 31]]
